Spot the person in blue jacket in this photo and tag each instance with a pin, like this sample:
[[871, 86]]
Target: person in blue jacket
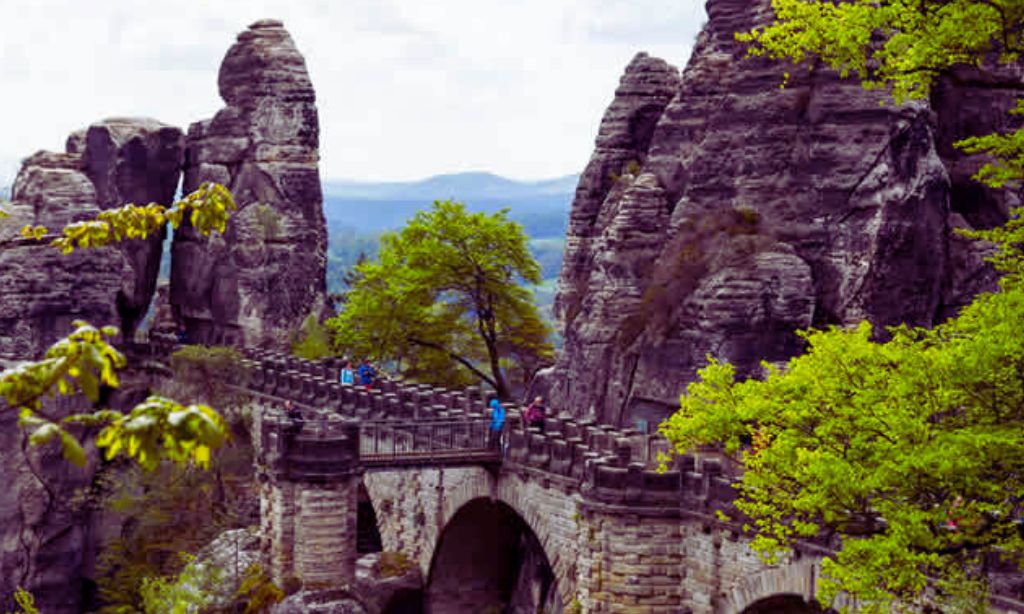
[[367, 374], [497, 422], [347, 375]]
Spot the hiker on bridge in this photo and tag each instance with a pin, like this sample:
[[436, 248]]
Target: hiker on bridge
[[295, 416], [367, 374], [498, 414], [348, 376], [533, 415]]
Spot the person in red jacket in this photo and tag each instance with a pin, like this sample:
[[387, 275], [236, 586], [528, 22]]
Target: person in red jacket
[[534, 414]]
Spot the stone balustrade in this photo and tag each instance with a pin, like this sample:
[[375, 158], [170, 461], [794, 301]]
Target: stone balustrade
[[606, 463], [603, 462]]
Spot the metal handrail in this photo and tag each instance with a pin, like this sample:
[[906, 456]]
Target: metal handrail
[[392, 439]]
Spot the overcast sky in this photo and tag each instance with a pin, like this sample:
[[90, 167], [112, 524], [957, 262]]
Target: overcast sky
[[405, 88]]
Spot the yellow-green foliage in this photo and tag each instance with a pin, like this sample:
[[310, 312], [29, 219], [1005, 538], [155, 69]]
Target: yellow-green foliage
[[213, 374], [314, 340], [191, 590], [393, 564], [904, 45], [198, 504], [25, 601], [629, 170], [1007, 149], [899, 44], [81, 363], [575, 607], [910, 450], [208, 207], [257, 591], [84, 361]]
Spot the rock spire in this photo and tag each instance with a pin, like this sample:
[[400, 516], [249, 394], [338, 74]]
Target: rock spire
[[254, 284]]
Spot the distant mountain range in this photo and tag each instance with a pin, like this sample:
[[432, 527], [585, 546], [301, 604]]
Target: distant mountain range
[[459, 186], [541, 206]]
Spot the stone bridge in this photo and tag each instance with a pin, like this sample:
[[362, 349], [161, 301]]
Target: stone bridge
[[572, 519]]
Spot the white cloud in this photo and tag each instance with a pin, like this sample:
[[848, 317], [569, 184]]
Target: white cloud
[[405, 89]]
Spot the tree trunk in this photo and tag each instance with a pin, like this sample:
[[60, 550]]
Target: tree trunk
[[500, 383]]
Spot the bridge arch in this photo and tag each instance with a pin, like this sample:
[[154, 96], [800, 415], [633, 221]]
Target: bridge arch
[[488, 558], [789, 588]]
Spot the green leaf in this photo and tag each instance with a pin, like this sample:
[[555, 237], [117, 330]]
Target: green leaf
[[72, 449], [44, 434], [444, 300]]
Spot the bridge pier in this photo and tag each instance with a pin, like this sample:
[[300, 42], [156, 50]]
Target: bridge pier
[[309, 501]]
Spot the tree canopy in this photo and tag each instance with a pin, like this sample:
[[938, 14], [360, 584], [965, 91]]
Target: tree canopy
[[85, 361], [909, 450], [444, 300]]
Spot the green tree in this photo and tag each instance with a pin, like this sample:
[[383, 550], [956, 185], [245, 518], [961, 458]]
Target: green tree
[[85, 361], [312, 340], [904, 45], [445, 291], [910, 450]]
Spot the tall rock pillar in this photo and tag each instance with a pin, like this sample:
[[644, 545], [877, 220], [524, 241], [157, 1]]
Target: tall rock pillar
[[254, 284]]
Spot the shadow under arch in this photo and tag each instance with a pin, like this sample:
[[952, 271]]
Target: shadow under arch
[[785, 603], [367, 528], [488, 559]]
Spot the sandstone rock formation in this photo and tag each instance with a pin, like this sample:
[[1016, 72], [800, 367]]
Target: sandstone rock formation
[[256, 283], [45, 540], [134, 161], [44, 531], [721, 221], [111, 163], [41, 290], [42, 537]]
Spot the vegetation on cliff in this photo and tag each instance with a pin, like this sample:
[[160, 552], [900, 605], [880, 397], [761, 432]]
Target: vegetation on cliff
[[903, 46], [444, 300], [85, 361], [906, 452]]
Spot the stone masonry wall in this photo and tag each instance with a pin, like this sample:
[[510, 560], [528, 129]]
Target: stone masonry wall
[[412, 506]]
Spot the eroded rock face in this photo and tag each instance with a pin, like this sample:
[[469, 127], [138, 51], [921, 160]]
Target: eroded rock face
[[133, 161], [43, 538], [254, 284], [41, 290], [44, 531], [622, 141], [752, 212]]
